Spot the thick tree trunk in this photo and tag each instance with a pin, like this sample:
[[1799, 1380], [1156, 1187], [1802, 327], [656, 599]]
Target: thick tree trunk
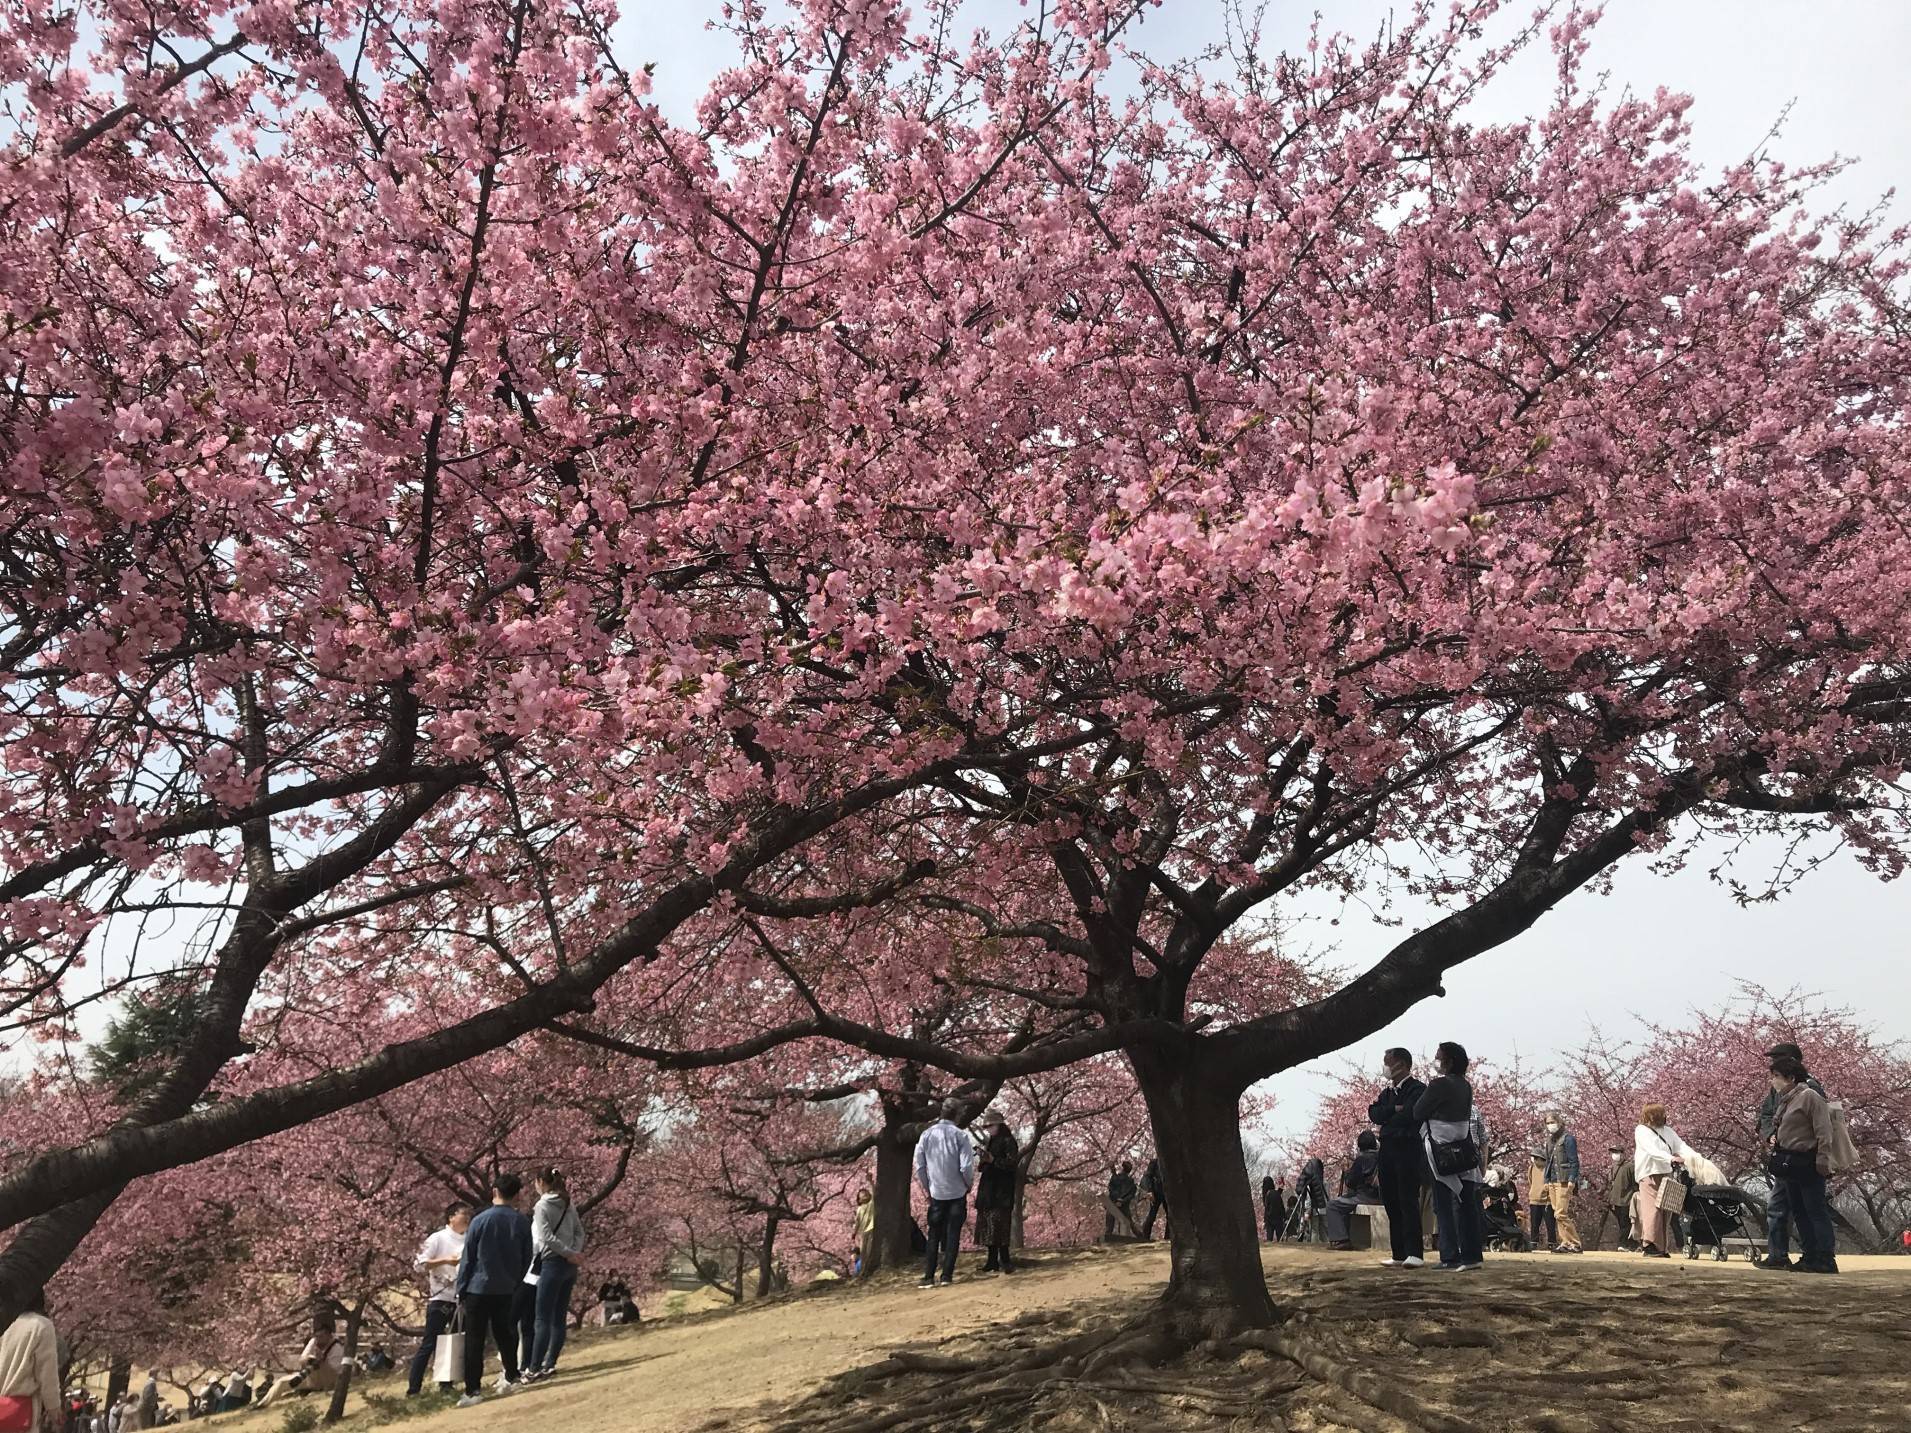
[[354, 1321], [119, 1378], [1021, 1208], [1216, 1285], [764, 1282], [889, 1243]]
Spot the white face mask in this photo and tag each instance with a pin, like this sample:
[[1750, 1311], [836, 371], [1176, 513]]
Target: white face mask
[[1552, 1127]]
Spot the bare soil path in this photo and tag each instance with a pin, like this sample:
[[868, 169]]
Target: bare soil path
[[1537, 1344]]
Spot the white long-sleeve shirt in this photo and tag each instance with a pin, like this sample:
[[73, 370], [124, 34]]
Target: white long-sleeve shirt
[[441, 1283], [30, 1368], [945, 1161], [1653, 1150]]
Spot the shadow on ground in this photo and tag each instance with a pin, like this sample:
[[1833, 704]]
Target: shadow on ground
[[1534, 1344]]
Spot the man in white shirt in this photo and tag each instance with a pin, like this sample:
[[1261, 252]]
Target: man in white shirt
[[439, 1260], [945, 1168], [30, 1366]]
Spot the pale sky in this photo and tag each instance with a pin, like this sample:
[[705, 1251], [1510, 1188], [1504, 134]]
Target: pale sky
[[1655, 947]]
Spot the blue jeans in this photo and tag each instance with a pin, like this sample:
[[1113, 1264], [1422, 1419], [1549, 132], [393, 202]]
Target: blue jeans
[[437, 1319], [1811, 1211], [1461, 1221], [946, 1218], [555, 1280], [1778, 1222]]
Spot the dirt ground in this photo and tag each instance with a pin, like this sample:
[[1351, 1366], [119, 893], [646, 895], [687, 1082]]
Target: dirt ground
[[1535, 1343]]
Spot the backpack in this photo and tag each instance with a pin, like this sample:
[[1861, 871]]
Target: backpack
[[1843, 1153]]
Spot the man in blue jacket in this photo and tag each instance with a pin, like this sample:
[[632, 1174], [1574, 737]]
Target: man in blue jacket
[[497, 1255]]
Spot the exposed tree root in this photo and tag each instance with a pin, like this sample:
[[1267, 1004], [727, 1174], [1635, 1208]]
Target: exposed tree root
[[1369, 1389]]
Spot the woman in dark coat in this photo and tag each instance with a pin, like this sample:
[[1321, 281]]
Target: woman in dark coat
[[995, 1193]]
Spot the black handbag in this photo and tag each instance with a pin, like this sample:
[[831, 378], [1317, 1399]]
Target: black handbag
[[1456, 1156]]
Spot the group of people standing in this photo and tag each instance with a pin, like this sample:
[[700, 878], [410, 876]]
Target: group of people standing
[[497, 1275], [1432, 1134], [949, 1164]]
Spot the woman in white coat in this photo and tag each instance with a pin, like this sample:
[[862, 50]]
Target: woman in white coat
[[1657, 1151]]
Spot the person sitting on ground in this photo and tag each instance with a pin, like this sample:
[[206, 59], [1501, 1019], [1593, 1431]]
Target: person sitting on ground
[[319, 1364], [612, 1295], [1801, 1161], [1657, 1154], [30, 1371], [1359, 1184], [237, 1393]]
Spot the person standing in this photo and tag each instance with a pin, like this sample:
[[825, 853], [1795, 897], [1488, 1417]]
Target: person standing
[[1157, 1193], [1121, 1198], [557, 1248], [995, 1193], [1273, 1208], [30, 1369], [1541, 1231], [149, 1400], [1621, 1185], [1801, 1160], [945, 1168], [1778, 1247], [1657, 1151], [438, 1260], [497, 1252], [1359, 1184], [1454, 1139], [1562, 1181], [1401, 1159], [865, 1228]]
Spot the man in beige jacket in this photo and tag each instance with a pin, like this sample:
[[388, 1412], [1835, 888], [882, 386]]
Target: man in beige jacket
[[30, 1365]]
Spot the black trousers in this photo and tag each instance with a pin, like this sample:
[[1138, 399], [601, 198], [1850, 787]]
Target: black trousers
[[437, 1319], [1400, 1166], [488, 1314], [524, 1315], [1155, 1206]]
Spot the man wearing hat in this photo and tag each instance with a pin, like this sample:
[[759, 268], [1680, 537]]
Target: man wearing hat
[[1778, 1223]]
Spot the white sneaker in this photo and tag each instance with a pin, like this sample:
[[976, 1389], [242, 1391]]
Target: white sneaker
[[1413, 1262], [1391, 1264], [471, 1400]]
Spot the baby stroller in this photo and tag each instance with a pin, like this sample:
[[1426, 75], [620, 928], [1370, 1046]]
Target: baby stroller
[[1724, 1219], [1504, 1233]]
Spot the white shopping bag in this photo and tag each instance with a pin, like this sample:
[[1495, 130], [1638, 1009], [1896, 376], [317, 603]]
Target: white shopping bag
[[448, 1364]]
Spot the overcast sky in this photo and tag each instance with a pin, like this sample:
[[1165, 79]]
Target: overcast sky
[[1654, 947]]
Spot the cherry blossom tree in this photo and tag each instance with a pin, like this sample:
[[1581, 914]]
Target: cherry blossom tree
[[1441, 548], [413, 447], [927, 480]]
